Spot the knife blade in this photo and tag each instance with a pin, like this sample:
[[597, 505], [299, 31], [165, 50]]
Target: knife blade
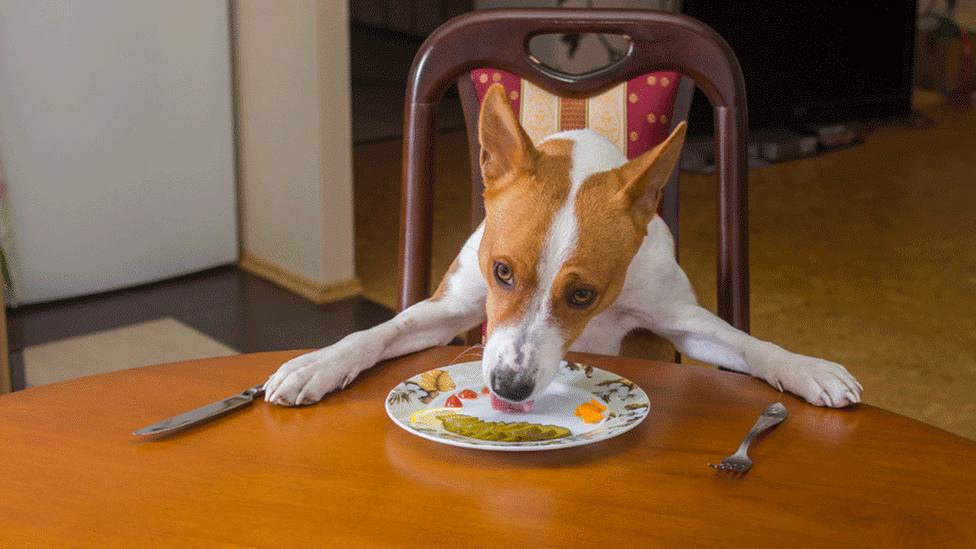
[[202, 414]]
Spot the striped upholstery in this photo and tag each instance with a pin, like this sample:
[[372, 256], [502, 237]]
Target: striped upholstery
[[634, 115]]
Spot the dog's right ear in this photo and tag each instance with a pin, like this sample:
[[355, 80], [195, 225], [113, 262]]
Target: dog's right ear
[[644, 177], [505, 147]]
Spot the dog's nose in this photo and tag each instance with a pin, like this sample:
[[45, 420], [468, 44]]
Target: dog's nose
[[511, 386]]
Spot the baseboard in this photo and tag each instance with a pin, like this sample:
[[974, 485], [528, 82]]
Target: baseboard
[[313, 291]]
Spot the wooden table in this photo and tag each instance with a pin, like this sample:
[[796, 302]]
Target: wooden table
[[341, 474]]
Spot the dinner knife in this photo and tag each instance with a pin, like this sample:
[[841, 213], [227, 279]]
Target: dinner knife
[[202, 414]]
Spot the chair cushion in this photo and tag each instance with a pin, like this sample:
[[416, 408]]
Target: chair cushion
[[634, 115]]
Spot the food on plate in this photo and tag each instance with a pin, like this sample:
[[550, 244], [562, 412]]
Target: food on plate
[[453, 402], [589, 415], [436, 380], [468, 394], [484, 390], [499, 431], [428, 416], [591, 412], [500, 405]]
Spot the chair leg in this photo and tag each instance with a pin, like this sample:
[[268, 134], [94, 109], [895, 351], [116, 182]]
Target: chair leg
[[416, 213], [733, 212]]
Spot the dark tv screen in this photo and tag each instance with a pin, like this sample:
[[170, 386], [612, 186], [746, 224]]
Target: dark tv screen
[[814, 61]]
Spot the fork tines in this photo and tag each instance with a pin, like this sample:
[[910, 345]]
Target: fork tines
[[733, 468]]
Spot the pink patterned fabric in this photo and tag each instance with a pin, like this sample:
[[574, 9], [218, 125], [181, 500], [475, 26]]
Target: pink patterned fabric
[[650, 100], [484, 78]]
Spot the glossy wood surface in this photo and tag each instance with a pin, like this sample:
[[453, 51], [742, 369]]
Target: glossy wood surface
[[341, 474]]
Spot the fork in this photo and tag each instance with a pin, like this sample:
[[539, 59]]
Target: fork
[[739, 462]]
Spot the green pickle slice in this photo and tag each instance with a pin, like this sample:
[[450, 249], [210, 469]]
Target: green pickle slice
[[500, 431]]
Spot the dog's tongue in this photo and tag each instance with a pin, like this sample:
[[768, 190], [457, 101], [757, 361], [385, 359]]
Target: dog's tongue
[[500, 405]]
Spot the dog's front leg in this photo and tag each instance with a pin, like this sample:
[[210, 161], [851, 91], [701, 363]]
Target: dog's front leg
[[668, 308], [701, 335], [457, 305]]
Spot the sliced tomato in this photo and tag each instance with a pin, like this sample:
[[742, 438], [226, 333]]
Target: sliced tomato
[[453, 402], [468, 394], [484, 390]]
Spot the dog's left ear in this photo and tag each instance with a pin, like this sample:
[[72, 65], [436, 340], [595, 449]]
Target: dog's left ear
[[505, 147], [645, 176]]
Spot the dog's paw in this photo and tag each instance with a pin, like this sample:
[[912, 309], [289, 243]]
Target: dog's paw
[[307, 378], [819, 382]]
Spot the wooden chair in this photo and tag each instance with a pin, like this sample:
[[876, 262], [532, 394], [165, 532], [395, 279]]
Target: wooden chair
[[498, 39]]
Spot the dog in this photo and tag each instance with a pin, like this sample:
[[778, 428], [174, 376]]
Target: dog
[[571, 256]]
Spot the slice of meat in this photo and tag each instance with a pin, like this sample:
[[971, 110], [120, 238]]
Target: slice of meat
[[500, 405]]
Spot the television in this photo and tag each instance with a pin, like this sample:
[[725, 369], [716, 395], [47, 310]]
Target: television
[[809, 62]]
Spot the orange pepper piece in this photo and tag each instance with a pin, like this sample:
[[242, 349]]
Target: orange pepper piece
[[590, 412], [589, 415]]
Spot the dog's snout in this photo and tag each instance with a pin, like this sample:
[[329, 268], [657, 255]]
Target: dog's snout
[[512, 386]]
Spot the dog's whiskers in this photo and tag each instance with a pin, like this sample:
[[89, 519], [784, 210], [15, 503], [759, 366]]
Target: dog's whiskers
[[478, 346]]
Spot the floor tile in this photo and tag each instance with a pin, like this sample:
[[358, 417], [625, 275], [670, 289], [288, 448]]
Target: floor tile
[[142, 344]]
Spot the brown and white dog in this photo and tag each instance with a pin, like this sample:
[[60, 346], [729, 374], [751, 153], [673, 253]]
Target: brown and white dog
[[571, 256]]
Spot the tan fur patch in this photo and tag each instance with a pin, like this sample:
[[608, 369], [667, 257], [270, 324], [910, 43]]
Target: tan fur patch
[[442, 287], [607, 241], [612, 212], [519, 214], [505, 147]]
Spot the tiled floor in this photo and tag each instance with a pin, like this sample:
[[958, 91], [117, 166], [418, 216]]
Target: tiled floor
[[132, 346], [237, 309]]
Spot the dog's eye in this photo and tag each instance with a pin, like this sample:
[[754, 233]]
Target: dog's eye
[[504, 273], [581, 297]]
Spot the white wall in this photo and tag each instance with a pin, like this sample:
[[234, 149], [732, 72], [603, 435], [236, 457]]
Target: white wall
[[116, 139], [295, 143]]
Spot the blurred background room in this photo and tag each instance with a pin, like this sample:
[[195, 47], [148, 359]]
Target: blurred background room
[[182, 179]]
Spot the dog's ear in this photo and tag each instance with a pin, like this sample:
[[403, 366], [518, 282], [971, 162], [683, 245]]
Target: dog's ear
[[645, 176], [505, 147]]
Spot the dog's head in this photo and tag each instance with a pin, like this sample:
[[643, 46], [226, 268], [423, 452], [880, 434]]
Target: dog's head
[[564, 219]]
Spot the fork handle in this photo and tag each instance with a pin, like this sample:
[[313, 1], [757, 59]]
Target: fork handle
[[771, 417]]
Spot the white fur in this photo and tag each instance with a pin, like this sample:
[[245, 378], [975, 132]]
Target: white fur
[[656, 295]]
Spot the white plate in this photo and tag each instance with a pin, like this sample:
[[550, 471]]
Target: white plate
[[627, 405]]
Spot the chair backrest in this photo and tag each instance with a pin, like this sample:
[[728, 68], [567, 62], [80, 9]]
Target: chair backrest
[[499, 38]]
